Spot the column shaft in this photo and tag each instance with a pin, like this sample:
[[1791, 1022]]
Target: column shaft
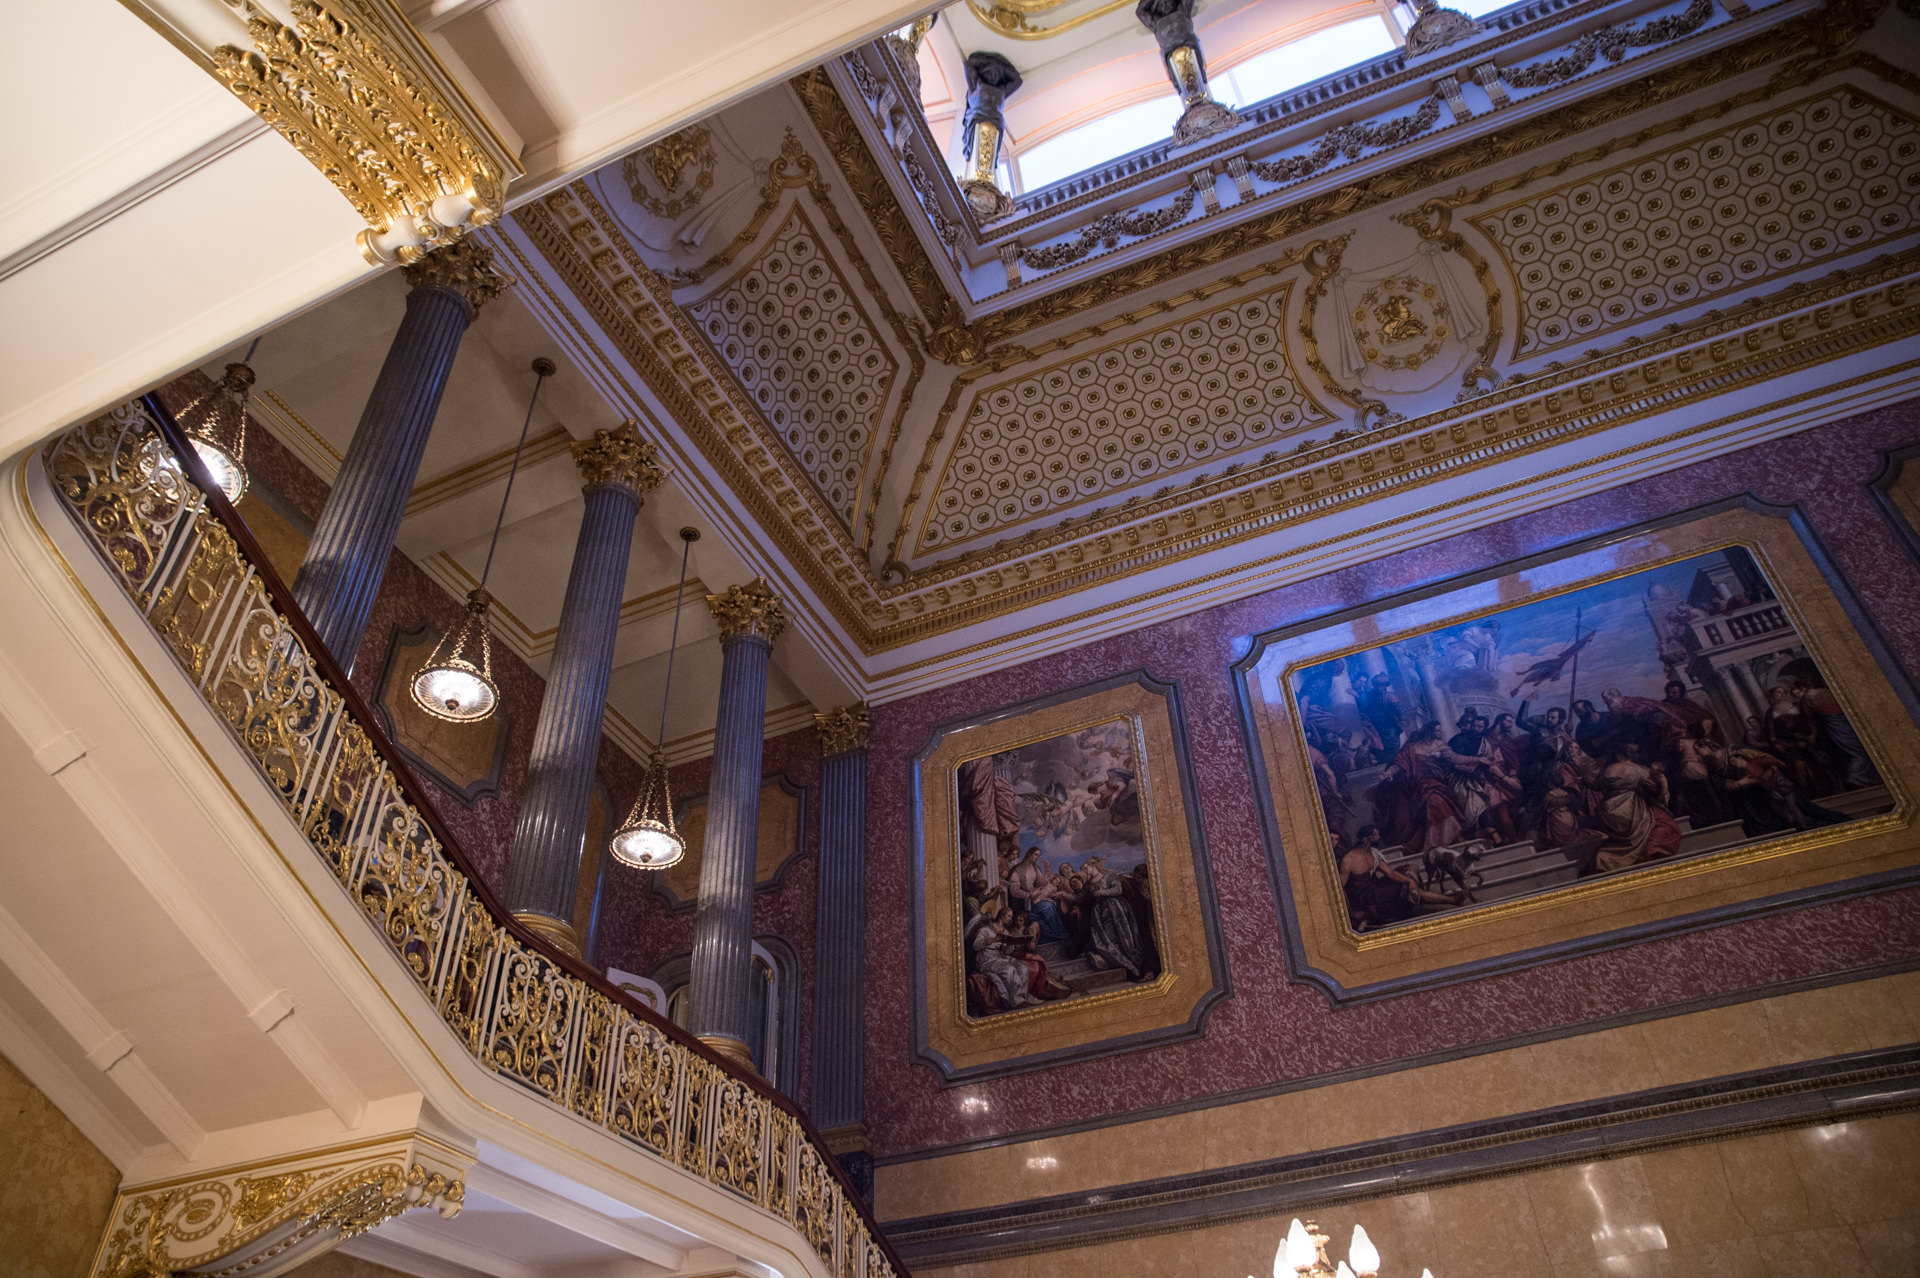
[[838, 1020], [544, 866], [347, 558], [719, 991]]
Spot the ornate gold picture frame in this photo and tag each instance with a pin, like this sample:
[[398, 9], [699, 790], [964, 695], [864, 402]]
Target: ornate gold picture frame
[[1447, 792], [1063, 906]]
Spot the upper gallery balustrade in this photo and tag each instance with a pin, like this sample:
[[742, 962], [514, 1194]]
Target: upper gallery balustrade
[[525, 1011], [1461, 80]]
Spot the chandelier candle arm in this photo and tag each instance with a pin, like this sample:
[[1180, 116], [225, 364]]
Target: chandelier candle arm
[[456, 683]]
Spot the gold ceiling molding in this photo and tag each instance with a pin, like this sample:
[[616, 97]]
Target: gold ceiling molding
[[1208, 385], [1799, 328], [808, 356], [256, 1215], [1809, 45], [357, 91], [1806, 183], [574, 247]]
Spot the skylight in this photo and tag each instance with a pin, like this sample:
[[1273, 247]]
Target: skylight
[[1297, 62], [1110, 136]]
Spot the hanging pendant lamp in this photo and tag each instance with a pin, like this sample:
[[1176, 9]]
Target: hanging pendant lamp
[[216, 425], [457, 683], [647, 839]]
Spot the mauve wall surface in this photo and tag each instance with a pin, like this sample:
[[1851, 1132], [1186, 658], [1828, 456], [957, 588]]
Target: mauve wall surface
[[1271, 1030], [408, 599], [638, 932]]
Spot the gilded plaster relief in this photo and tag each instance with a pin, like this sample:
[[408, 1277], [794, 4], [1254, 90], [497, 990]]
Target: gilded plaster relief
[[1798, 186], [1208, 386], [800, 343]]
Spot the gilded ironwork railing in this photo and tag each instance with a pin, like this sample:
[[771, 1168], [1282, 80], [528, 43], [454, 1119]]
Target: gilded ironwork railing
[[523, 1009]]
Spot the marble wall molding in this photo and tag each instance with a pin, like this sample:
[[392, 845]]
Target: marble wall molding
[[1300, 966], [395, 679], [675, 904], [1881, 488], [1841, 1088], [1222, 983]]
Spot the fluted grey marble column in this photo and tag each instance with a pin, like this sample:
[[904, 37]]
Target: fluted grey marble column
[[347, 557], [838, 1038], [719, 993], [543, 867]]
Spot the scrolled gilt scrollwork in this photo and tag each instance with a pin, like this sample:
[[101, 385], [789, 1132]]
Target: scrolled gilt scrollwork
[[354, 89], [512, 1005], [231, 1222]]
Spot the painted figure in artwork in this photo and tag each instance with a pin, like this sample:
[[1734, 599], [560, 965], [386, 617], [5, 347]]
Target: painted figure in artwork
[[1055, 876], [1658, 715]]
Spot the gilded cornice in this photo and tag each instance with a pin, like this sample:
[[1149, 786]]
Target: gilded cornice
[[353, 87], [903, 604], [749, 611], [1807, 44], [619, 456], [842, 730]]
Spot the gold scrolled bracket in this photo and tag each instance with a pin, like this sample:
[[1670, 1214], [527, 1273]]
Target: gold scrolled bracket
[[752, 609], [268, 1216], [357, 91], [619, 456], [843, 730]]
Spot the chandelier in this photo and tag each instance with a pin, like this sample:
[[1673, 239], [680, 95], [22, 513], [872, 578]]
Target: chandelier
[[1303, 1254], [216, 425], [457, 683], [647, 840]]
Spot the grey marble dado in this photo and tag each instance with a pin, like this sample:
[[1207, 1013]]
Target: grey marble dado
[[1835, 1089]]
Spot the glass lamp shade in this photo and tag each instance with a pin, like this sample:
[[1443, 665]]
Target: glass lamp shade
[[457, 684], [646, 840], [216, 425], [647, 845]]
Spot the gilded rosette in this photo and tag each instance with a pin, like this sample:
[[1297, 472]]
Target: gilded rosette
[[752, 609], [619, 456], [842, 730], [465, 267]]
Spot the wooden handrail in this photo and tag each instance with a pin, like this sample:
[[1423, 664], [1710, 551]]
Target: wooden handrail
[[323, 660]]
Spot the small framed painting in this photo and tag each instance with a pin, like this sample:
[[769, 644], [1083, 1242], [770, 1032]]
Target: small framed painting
[[1063, 907], [1667, 729]]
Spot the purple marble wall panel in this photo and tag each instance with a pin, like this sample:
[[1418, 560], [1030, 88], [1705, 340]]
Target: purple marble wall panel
[[1273, 1031]]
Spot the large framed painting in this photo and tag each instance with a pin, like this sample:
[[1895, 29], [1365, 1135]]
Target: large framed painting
[[1663, 730], [1063, 906]]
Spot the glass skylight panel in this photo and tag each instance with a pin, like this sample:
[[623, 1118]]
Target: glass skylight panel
[[1311, 57], [1078, 149]]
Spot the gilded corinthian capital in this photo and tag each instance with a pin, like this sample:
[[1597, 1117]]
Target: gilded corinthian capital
[[842, 730], [752, 609], [619, 456], [464, 266]]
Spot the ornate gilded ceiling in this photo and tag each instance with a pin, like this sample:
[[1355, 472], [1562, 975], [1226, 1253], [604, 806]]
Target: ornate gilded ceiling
[[1605, 287]]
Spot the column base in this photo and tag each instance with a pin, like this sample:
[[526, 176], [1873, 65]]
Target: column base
[[561, 935], [848, 1138], [731, 1048]]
